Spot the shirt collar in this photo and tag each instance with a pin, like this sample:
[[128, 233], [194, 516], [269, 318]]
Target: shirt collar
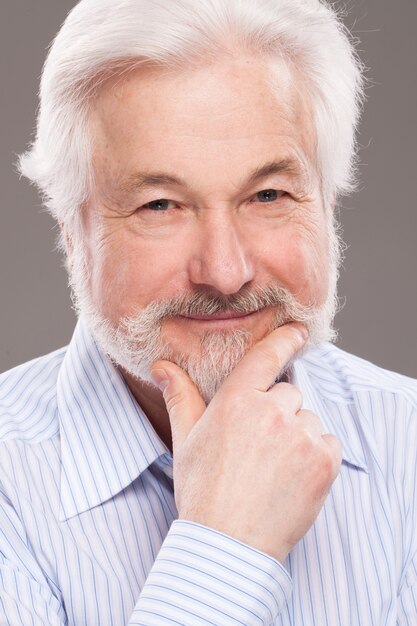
[[106, 439], [345, 430]]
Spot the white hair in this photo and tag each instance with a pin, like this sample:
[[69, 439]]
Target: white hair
[[103, 37]]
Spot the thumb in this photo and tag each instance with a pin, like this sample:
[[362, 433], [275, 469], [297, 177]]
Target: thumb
[[183, 401]]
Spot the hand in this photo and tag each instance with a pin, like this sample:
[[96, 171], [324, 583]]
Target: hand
[[251, 464]]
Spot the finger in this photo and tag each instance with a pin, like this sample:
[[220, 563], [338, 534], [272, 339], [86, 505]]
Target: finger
[[311, 422], [287, 396], [336, 451], [260, 366], [183, 401], [314, 426]]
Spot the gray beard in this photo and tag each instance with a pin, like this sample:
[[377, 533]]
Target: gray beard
[[136, 342]]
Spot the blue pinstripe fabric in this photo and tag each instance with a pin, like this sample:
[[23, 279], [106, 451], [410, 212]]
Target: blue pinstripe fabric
[[89, 534]]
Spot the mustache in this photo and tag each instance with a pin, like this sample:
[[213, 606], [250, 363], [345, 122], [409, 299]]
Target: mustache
[[245, 301]]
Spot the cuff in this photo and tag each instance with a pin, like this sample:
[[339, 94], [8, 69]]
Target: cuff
[[202, 576]]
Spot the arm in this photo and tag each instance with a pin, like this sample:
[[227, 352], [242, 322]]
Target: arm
[[407, 599], [406, 485], [27, 598], [199, 577], [245, 494], [202, 576]]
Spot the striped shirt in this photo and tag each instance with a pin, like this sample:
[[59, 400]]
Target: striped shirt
[[89, 534]]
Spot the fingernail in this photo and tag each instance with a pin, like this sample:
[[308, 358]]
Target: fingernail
[[160, 378]]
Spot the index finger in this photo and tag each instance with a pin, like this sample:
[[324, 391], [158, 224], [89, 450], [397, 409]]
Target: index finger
[[260, 367]]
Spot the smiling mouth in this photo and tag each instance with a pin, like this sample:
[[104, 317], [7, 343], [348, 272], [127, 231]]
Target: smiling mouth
[[216, 317]]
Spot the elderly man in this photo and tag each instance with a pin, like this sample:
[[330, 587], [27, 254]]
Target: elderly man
[[199, 453]]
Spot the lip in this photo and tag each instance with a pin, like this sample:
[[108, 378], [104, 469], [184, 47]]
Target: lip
[[226, 315], [227, 320]]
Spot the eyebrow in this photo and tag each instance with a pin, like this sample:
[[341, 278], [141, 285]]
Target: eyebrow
[[286, 166], [144, 180]]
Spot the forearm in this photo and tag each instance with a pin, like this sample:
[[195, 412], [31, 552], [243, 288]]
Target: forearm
[[202, 576]]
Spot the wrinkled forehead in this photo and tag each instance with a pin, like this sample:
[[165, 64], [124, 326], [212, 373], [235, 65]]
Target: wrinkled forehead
[[235, 106]]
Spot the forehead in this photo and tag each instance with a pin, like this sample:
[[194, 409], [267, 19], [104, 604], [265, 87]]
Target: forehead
[[234, 113]]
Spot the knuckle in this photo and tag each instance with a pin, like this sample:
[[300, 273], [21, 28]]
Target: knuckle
[[327, 465], [303, 443], [312, 421], [292, 392], [278, 412], [273, 421], [285, 388], [326, 472], [334, 449], [173, 400]]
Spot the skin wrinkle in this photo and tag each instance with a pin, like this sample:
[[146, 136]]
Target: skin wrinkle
[[154, 76], [112, 200], [219, 242], [144, 180]]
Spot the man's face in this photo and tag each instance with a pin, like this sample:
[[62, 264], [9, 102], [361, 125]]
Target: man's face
[[206, 189]]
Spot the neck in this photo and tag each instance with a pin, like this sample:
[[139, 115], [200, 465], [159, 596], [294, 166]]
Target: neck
[[151, 401]]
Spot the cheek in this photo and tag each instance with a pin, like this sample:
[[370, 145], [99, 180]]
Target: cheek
[[299, 261], [127, 273]]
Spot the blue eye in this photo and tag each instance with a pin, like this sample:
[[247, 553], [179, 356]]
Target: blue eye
[[268, 195], [157, 205]]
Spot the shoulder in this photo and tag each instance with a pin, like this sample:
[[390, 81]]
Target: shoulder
[[28, 399], [375, 410], [346, 377]]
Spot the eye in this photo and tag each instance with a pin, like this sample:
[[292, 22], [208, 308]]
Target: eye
[[158, 205], [269, 195]]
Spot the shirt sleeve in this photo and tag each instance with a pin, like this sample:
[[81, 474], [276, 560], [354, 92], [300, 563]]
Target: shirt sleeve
[[407, 480], [26, 597], [202, 576], [407, 600]]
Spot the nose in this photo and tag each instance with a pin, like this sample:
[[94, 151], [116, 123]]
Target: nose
[[221, 259]]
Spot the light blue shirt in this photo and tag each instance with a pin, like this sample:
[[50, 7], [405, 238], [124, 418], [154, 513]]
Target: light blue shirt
[[89, 534]]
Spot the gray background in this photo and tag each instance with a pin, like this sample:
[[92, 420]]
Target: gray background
[[378, 281]]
